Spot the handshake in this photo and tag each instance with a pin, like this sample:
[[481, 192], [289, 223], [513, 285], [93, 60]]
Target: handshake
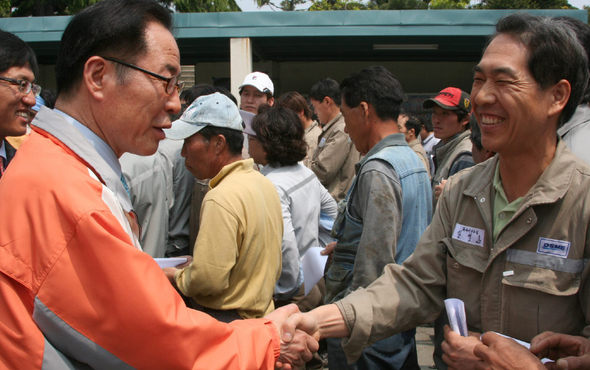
[[300, 332]]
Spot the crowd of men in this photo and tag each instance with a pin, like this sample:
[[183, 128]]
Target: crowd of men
[[485, 202]]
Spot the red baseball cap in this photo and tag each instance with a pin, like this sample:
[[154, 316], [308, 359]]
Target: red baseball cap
[[451, 98]]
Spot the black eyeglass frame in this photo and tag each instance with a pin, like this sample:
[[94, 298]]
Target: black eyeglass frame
[[24, 86], [170, 81]]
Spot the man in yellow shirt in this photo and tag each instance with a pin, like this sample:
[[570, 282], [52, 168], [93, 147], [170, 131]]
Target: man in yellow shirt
[[237, 254]]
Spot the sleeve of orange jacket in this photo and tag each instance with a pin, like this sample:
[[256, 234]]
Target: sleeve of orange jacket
[[119, 302]]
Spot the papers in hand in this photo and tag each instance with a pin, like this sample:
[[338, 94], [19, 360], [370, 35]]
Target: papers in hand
[[456, 313], [170, 262], [313, 264]]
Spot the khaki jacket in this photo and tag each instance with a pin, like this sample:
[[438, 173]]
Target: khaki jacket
[[532, 279], [334, 159], [419, 150], [311, 139]]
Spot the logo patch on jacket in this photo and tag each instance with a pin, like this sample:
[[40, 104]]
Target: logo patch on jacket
[[552, 247], [469, 235]]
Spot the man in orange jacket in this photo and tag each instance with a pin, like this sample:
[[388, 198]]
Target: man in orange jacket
[[75, 287]]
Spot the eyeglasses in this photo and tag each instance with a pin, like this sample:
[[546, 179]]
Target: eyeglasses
[[24, 86], [171, 82]]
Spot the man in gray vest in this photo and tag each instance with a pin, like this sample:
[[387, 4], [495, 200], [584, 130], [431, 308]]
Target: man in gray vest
[[450, 120], [384, 213]]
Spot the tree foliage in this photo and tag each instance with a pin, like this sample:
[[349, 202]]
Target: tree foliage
[[523, 4], [202, 6], [337, 5], [25, 8], [398, 4], [4, 8]]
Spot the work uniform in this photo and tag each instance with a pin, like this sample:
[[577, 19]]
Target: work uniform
[[334, 158], [533, 278]]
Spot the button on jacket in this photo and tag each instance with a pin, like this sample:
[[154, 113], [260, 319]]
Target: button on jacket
[[532, 279]]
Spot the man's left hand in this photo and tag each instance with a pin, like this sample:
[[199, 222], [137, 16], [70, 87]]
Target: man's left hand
[[458, 350]]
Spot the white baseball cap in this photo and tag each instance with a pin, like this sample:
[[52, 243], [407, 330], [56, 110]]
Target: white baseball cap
[[208, 110], [259, 80]]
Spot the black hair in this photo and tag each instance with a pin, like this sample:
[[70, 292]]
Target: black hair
[[414, 122], [233, 138], [554, 53], [296, 102], [113, 27], [582, 31], [49, 97], [326, 87], [189, 95], [376, 86], [14, 52], [461, 116], [280, 133]]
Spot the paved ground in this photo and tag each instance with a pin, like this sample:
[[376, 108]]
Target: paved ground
[[424, 346]]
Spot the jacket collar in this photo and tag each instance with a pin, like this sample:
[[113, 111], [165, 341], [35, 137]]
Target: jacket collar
[[244, 165], [441, 148], [390, 140], [57, 126], [551, 186]]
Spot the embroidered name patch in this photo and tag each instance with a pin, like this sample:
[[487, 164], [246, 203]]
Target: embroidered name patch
[[469, 235], [552, 247]]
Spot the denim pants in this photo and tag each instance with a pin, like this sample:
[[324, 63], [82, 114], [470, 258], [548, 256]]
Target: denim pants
[[395, 352]]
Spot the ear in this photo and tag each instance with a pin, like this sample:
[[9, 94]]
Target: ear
[[219, 143], [366, 110], [327, 100], [559, 95], [95, 75], [270, 101]]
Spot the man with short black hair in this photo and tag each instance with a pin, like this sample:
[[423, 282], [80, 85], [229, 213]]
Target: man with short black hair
[[76, 289], [411, 127], [335, 156], [237, 254], [18, 68], [509, 236], [384, 213]]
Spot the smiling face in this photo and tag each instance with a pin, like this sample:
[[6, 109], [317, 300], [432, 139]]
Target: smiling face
[[512, 110], [15, 107], [140, 108]]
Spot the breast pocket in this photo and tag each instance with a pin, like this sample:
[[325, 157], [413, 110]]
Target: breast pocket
[[540, 293], [465, 266], [338, 281]]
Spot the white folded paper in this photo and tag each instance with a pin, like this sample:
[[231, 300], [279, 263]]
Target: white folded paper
[[170, 262], [456, 313], [313, 265]]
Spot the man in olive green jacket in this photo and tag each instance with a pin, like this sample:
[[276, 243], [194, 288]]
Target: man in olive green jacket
[[335, 156], [510, 236]]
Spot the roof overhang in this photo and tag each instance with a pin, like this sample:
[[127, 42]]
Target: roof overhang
[[409, 35]]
